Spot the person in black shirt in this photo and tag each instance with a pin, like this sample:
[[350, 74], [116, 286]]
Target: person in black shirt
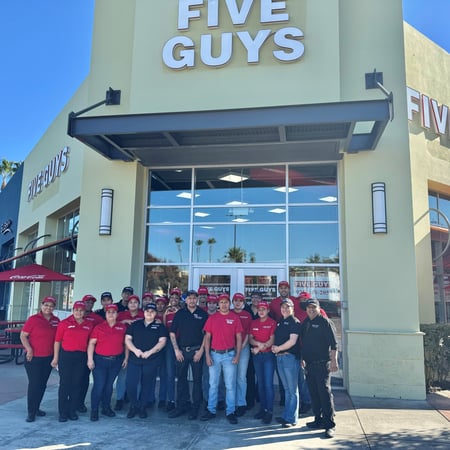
[[145, 339], [319, 353], [287, 350], [186, 335]]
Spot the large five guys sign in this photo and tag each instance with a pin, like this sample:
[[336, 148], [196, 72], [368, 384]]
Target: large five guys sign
[[181, 52]]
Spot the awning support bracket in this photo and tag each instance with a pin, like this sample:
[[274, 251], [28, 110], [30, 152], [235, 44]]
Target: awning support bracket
[[374, 80]]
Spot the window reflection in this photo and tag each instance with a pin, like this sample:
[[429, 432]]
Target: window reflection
[[168, 244]]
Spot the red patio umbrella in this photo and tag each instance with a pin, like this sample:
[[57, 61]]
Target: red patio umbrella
[[33, 272]]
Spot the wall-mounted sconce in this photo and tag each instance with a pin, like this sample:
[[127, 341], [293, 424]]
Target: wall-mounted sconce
[[106, 207], [379, 220]]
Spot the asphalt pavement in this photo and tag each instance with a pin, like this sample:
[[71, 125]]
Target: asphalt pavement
[[362, 423]]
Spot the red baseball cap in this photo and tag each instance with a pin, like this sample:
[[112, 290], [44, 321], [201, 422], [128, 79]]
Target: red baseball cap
[[162, 299], [147, 294], [223, 297], [111, 307], [283, 283], [202, 290], [175, 291], [134, 297], [79, 305], [212, 299], [263, 305], [238, 296], [49, 299], [88, 297], [304, 294]]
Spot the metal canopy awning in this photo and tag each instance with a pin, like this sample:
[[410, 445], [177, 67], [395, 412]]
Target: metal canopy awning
[[319, 132]]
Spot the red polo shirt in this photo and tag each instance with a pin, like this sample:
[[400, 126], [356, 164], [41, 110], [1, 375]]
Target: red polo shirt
[[73, 336], [94, 318], [223, 329], [110, 340], [262, 331], [275, 307], [246, 320], [126, 315], [41, 333]]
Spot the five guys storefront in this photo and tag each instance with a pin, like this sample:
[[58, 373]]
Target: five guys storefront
[[246, 142]]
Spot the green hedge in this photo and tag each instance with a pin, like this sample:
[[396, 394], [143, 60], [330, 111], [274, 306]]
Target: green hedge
[[437, 354]]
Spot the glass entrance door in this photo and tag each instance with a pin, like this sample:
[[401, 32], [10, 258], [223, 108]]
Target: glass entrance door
[[229, 280]]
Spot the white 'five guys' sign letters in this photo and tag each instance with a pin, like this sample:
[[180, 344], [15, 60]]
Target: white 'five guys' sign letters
[[179, 52]]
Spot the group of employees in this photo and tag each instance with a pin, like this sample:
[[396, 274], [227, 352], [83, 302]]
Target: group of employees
[[233, 351]]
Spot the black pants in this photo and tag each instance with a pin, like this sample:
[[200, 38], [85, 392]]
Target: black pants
[[84, 385], [252, 392], [318, 377], [71, 367], [183, 395], [38, 371]]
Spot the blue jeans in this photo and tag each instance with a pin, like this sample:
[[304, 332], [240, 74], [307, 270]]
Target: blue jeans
[[104, 374], [222, 361], [305, 398], [288, 368], [167, 374], [241, 377], [264, 364], [142, 375], [205, 384], [121, 386]]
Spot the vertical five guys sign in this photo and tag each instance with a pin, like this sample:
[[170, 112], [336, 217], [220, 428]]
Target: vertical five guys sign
[[182, 52]]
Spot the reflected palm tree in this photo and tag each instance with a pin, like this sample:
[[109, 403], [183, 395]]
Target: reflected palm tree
[[198, 245], [236, 254], [179, 241], [211, 242]]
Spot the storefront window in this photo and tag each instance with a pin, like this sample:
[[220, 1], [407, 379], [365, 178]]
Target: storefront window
[[160, 279], [440, 247]]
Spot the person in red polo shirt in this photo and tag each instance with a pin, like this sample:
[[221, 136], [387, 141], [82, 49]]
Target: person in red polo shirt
[[223, 342], [241, 377], [70, 357], [105, 358], [261, 339], [94, 319], [38, 336]]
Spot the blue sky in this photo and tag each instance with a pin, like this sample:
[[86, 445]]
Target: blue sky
[[45, 54]]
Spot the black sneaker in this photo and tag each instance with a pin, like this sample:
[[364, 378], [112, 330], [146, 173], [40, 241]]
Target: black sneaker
[[108, 412], [329, 433], [267, 418], [240, 411], [131, 413], [62, 418], [119, 405], [170, 406], [193, 414], [221, 406], [30, 418], [232, 418], [161, 404], [176, 412], [143, 413], [280, 420], [259, 414], [94, 415], [82, 408], [207, 416], [73, 416], [288, 425], [40, 413], [316, 424]]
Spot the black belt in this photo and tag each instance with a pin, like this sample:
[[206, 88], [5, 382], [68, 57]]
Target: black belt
[[191, 348], [223, 351], [282, 354], [109, 357]]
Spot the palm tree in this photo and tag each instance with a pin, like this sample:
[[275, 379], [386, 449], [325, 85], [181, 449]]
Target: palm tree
[[179, 241], [236, 254], [198, 245], [7, 170], [211, 242]]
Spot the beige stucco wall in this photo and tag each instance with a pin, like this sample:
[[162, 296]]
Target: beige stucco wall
[[428, 72], [343, 41]]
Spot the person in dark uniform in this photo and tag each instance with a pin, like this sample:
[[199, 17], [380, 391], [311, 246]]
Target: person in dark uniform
[[70, 357], [38, 336], [105, 299], [186, 335], [286, 348], [122, 304], [319, 353], [145, 339], [105, 359]]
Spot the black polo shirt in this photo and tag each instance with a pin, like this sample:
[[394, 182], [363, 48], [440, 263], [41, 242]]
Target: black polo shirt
[[285, 328], [144, 338], [188, 326], [318, 338]]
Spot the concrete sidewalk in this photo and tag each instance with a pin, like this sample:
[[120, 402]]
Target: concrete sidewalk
[[362, 423]]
